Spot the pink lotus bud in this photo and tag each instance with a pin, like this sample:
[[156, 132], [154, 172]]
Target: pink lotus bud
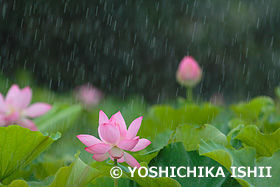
[[89, 95], [189, 72]]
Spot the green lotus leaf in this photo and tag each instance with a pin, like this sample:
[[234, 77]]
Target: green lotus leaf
[[78, 174], [260, 112], [163, 119], [191, 135], [16, 183], [18, 147], [230, 157], [59, 118], [126, 177], [175, 155], [252, 110], [265, 144]]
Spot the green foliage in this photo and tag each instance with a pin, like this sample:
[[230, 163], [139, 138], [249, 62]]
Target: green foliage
[[22, 183], [47, 165], [265, 144], [78, 174], [232, 134], [175, 155], [229, 157], [19, 147], [255, 109], [260, 111], [105, 168], [277, 92], [162, 120], [17, 183], [109, 182], [191, 136], [59, 118]]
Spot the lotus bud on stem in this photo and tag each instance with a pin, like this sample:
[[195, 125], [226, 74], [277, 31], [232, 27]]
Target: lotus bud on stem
[[189, 74]]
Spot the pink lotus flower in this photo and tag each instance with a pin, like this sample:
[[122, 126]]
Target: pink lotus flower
[[88, 95], [115, 138], [189, 72], [14, 108]]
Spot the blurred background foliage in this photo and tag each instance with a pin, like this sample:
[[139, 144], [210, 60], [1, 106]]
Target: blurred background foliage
[[134, 47]]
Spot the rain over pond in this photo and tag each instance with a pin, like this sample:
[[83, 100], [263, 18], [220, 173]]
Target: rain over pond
[[169, 93]]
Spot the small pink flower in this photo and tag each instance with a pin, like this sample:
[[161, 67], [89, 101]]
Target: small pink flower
[[14, 108], [88, 95], [189, 72], [115, 138]]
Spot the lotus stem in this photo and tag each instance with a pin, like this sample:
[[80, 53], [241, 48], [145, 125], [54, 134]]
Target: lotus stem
[[189, 95], [115, 180]]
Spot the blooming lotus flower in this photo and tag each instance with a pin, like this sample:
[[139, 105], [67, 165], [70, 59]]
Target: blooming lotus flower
[[189, 72], [15, 109], [115, 140], [88, 95]]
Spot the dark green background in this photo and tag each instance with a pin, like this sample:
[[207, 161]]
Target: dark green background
[[134, 47]]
